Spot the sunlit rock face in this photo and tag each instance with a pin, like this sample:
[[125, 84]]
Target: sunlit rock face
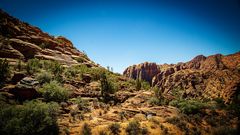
[[19, 40], [145, 71], [210, 77]]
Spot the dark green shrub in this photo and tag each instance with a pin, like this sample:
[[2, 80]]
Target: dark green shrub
[[188, 106], [133, 128], [145, 131], [32, 118], [33, 66], [44, 77], [178, 122], [138, 84], [145, 85], [86, 130], [115, 128], [19, 65], [102, 133], [4, 71], [82, 104], [224, 130], [107, 88], [53, 91], [154, 101]]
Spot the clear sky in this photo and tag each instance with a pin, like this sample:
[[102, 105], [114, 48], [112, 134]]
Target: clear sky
[[120, 33]]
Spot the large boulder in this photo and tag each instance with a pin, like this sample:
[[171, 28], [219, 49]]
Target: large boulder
[[26, 89]]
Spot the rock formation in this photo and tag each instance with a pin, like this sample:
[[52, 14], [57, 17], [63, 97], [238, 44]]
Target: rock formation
[[145, 71], [19, 40], [203, 77]]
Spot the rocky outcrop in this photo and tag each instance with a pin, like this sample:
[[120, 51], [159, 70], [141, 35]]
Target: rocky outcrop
[[145, 71], [25, 89], [202, 77], [19, 40]]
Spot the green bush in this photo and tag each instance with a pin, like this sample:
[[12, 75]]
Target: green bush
[[44, 77], [86, 130], [102, 133], [154, 101], [145, 85], [138, 84], [54, 92], [33, 66], [188, 106], [115, 128], [224, 130], [178, 122], [107, 88], [4, 71], [133, 128], [82, 104], [32, 118]]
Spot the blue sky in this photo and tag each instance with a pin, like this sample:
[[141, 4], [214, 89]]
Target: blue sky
[[122, 33]]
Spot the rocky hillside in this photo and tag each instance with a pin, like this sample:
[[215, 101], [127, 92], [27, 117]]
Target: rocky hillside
[[215, 76], [48, 87], [19, 40]]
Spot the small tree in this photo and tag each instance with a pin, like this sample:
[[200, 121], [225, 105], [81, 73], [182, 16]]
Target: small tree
[[4, 71], [19, 65], [115, 128], [133, 128], [86, 130], [107, 88], [138, 84], [54, 92]]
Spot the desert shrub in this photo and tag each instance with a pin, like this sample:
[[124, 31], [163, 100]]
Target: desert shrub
[[53, 91], [138, 84], [107, 88], [82, 104], [71, 72], [145, 131], [56, 68], [53, 67], [102, 133], [33, 66], [44, 77], [154, 101], [86, 130], [188, 106], [80, 59], [115, 128], [145, 85], [19, 65], [32, 118], [178, 122], [96, 72], [224, 130], [4, 71], [133, 128]]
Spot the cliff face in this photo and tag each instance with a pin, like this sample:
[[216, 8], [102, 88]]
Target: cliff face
[[19, 40], [145, 71], [203, 77]]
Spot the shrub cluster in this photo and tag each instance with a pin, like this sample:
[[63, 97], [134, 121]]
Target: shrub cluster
[[188, 106], [115, 128], [134, 128], [53, 91], [86, 130], [107, 88], [32, 118], [4, 71]]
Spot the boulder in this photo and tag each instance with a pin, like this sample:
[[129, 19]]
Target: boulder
[[26, 89], [18, 76], [86, 78]]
